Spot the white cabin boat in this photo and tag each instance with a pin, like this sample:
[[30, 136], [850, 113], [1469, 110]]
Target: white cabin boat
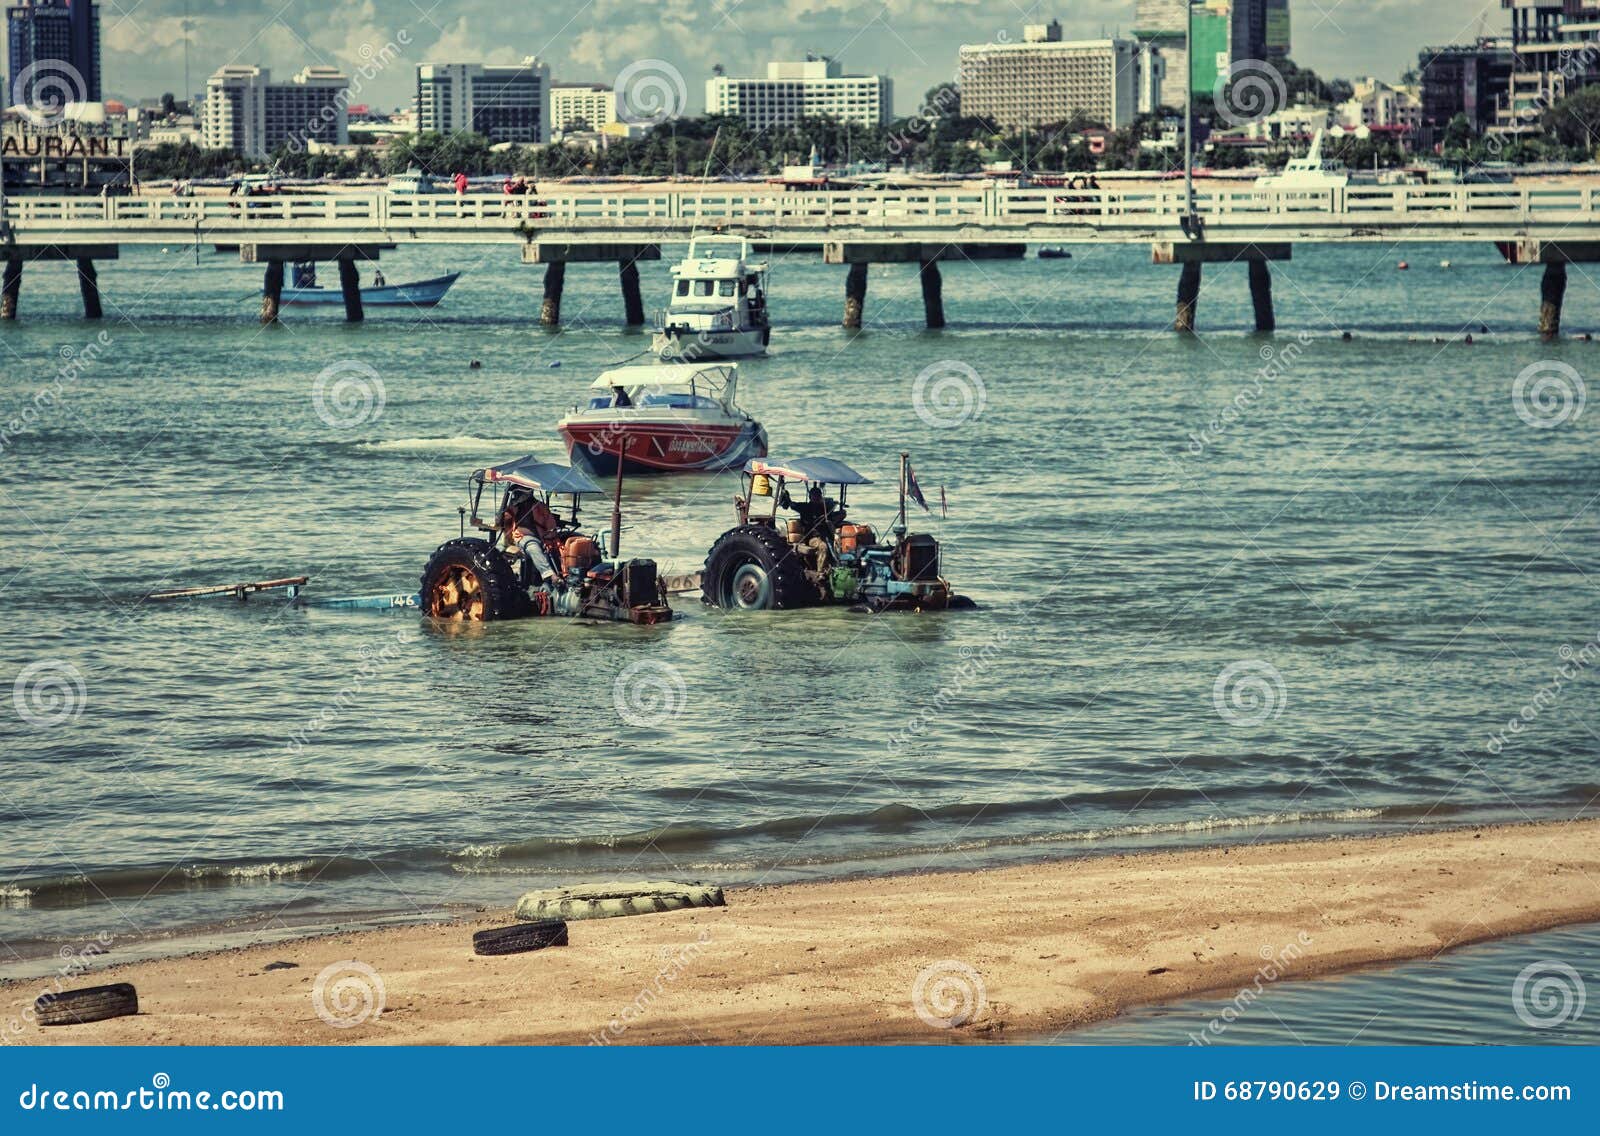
[[1313, 172], [718, 308]]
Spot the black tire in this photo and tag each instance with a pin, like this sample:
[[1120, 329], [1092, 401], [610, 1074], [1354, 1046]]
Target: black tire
[[754, 568], [91, 1004], [470, 581], [522, 937]]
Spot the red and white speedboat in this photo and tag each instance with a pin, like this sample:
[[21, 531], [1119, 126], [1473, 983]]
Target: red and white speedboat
[[662, 419]]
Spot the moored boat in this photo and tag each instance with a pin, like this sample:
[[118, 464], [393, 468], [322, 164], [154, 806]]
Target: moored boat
[[718, 308], [414, 293], [663, 418]]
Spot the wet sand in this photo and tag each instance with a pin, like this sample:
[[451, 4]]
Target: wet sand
[[1018, 950]]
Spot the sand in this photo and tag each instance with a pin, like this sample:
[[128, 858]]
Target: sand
[[1018, 952]]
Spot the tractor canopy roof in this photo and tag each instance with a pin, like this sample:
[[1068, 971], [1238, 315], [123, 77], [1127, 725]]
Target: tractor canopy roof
[[826, 470], [531, 473]]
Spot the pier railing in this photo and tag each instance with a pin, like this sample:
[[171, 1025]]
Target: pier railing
[[1128, 214]]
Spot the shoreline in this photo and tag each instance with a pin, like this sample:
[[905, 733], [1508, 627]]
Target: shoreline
[[1023, 950]]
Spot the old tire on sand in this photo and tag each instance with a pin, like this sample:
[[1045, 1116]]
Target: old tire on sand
[[520, 938], [471, 581], [91, 1004]]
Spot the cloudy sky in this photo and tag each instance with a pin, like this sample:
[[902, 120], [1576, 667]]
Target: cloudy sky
[[913, 40]]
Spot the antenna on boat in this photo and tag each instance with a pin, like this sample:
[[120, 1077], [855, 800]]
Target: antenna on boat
[[704, 174]]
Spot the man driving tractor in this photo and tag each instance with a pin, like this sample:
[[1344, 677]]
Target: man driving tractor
[[527, 524], [819, 519]]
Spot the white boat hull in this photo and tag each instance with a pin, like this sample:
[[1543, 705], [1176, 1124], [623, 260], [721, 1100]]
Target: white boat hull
[[691, 346]]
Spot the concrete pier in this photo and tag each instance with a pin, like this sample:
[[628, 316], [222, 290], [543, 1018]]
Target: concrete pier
[[350, 289], [855, 295], [1261, 295], [89, 288], [271, 291], [10, 288], [1552, 294], [632, 300], [555, 279], [1188, 297], [932, 294]]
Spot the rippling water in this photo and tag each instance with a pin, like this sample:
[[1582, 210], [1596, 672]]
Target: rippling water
[[1315, 617], [1531, 990]]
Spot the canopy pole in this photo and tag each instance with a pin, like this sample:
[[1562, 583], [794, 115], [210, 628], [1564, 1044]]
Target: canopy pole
[[616, 501]]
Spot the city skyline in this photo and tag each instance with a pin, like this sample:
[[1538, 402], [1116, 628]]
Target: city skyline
[[913, 42]]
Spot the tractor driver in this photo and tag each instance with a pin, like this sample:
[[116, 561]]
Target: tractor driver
[[527, 523], [815, 514]]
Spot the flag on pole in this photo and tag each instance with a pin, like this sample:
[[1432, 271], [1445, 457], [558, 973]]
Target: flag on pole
[[915, 490]]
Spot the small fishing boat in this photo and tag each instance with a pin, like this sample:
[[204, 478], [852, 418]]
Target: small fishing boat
[[663, 418], [415, 293], [718, 308], [1054, 252]]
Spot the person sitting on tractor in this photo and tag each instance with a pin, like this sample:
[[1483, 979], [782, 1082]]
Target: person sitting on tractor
[[817, 516], [526, 524]]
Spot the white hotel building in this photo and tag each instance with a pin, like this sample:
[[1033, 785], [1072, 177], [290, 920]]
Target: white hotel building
[[503, 103], [246, 112], [814, 88], [591, 104], [1044, 79]]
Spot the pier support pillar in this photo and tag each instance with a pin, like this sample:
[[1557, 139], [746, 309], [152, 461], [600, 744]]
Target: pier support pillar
[[271, 291], [1188, 297], [1261, 295], [932, 294], [555, 278], [350, 288], [632, 301], [1552, 293], [89, 287], [855, 294], [10, 285]]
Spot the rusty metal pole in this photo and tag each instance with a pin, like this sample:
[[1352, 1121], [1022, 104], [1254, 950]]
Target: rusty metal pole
[[272, 291], [555, 276], [855, 294], [632, 301], [1552, 293], [1188, 297], [350, 286], [932, 294], [89, 288], [1261, 295], [10, 287]]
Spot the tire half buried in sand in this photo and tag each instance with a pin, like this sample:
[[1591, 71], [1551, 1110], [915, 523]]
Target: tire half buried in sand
[[608, 900]]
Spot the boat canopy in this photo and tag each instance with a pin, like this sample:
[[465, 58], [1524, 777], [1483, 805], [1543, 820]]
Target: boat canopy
[[826, 470], [531, 473], [675, 375]]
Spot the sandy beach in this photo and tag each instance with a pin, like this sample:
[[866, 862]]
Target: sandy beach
[[1020, 951]]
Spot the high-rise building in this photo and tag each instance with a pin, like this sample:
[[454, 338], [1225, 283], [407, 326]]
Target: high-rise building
[[813, 88], [1278, 41], [1044, 79], [1555, 47], [1224, 32], [589, 105], [52, 52], [1463, 79], [246, 112], [1160, 23], [508, 103]]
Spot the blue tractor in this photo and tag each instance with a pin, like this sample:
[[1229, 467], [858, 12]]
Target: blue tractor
[[818, 556]]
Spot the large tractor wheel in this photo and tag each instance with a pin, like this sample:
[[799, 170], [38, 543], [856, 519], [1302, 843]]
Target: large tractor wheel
[[469, 580], [752, 567]]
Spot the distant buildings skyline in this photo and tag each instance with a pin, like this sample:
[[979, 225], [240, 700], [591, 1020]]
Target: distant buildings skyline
[[52, 51]]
